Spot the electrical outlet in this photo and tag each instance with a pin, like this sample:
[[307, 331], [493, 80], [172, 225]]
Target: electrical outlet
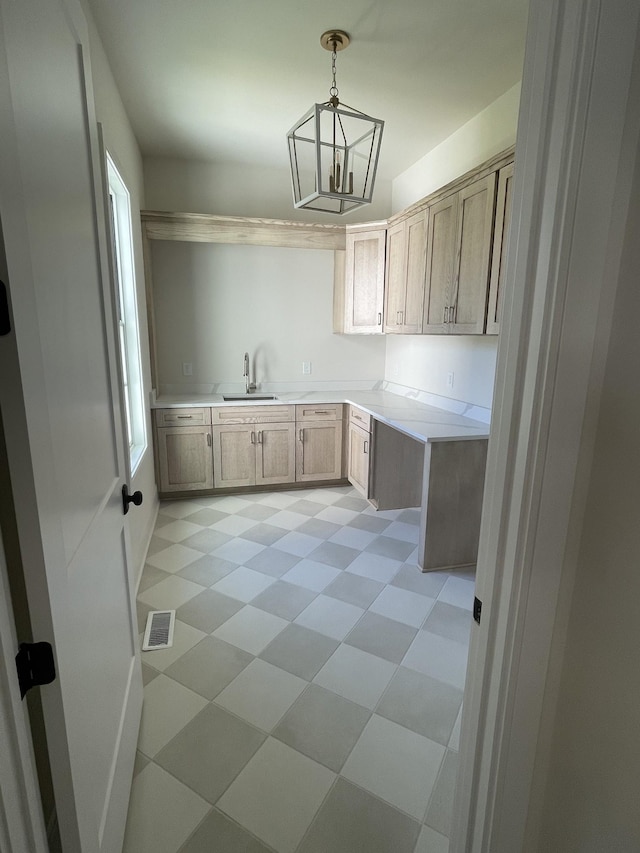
[[306, 367], [187, 368], [450, 379]]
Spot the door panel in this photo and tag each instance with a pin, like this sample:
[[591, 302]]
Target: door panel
[[441, 247], [64, 429], [234, 455], [276, 454]]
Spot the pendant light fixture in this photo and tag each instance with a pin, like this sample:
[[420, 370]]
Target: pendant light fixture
[[334, 149]]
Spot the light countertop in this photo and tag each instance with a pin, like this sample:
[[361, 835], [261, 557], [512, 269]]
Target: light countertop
[[420, 421]]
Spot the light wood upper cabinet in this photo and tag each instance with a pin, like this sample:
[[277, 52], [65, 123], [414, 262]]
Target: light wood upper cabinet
[[500, 235], [404, 278], [363, 284], [458, 258], [468, 307]]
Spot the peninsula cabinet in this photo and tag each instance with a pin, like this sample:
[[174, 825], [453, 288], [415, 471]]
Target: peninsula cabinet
[[361, 290], [183, 448], [458, 260], [500, 235], [319, 442], [359, 449], [404, 275]]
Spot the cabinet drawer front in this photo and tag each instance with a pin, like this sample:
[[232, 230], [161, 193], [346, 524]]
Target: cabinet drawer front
[[183, 417], [319, 412], [252, 414], [360, 418]]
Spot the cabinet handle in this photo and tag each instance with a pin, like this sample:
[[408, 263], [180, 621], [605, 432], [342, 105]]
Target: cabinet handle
[[366, 447], [209, 442], [446, 315], [253, 437], [452, 313], [184, 417], [321, 412], [260, 437], [300, 436], [379, 318], [401, 317]]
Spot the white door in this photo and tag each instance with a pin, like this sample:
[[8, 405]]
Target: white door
[[60, 407]]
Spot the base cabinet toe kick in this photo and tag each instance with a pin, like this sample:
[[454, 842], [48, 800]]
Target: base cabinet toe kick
[[444, 479]]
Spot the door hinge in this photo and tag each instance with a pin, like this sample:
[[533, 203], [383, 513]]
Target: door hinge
[[477, 609], [35, 666]]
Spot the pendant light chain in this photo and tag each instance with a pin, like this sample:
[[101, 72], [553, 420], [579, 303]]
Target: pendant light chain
[[333, 91]]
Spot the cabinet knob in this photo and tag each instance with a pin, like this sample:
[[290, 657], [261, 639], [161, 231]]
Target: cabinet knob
[[300, 436], [379, 318]]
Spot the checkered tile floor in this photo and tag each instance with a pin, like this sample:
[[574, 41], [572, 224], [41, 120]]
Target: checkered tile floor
[[311, 700]]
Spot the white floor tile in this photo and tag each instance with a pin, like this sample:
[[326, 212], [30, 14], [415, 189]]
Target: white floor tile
[[251, 629], [356, 675], [277, 795], [243, 584], [184, 638], [431, 841], [174, 558], [176, 531], [330, 616], [234, 525], [170, 593], [375, 567], [238, 550], [261, 694], [405, 532], [337, 515], [180, 509], [288, 520], [438, 657], [352, 537], [281, 500], [395, 764], [454, 740], [312, 575], [297, 543], [167, 708], [459, 592], [229, 504], [326, 496], [162, 812], [403, 606]]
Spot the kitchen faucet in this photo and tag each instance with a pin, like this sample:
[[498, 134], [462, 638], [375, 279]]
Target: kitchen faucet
[[248, 384]]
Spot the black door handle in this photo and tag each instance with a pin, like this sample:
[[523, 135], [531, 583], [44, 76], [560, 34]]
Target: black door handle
[[135, 499]]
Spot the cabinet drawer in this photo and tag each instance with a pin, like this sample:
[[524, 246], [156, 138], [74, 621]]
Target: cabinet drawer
[[183, 417], [360, 418], [319, 412], [252, 414]]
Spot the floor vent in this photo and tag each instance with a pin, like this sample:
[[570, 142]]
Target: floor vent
[[158, 633]]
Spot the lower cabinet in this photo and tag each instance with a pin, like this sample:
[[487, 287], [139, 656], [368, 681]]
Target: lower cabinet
[[319, 444], [184, 458], [253, 454], [359, 449]]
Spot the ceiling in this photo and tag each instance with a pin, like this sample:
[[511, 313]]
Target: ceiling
[[224, 81]]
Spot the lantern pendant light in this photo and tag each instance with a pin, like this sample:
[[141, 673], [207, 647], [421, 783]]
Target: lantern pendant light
[[334, 149]]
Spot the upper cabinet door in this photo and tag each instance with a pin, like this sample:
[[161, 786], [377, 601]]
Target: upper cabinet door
[[441, 256], [364, 282], [416, 240], [500, 240], [395, 278], [468, 305]]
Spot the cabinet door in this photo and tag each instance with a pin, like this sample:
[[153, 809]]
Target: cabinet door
[[184, 458], [441, 255], [395, 278], [468, 306], [364, 282], [500, 236], [234, 455], [276, 454], [359, 444], [416, 240], [319, 451]]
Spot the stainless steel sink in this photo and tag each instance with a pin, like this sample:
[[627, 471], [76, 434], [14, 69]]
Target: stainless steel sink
[[247, 398]]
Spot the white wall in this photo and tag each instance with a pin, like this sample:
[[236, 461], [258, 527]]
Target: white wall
[[214, 301], [424, 362], [123, 148], [228, 189]]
